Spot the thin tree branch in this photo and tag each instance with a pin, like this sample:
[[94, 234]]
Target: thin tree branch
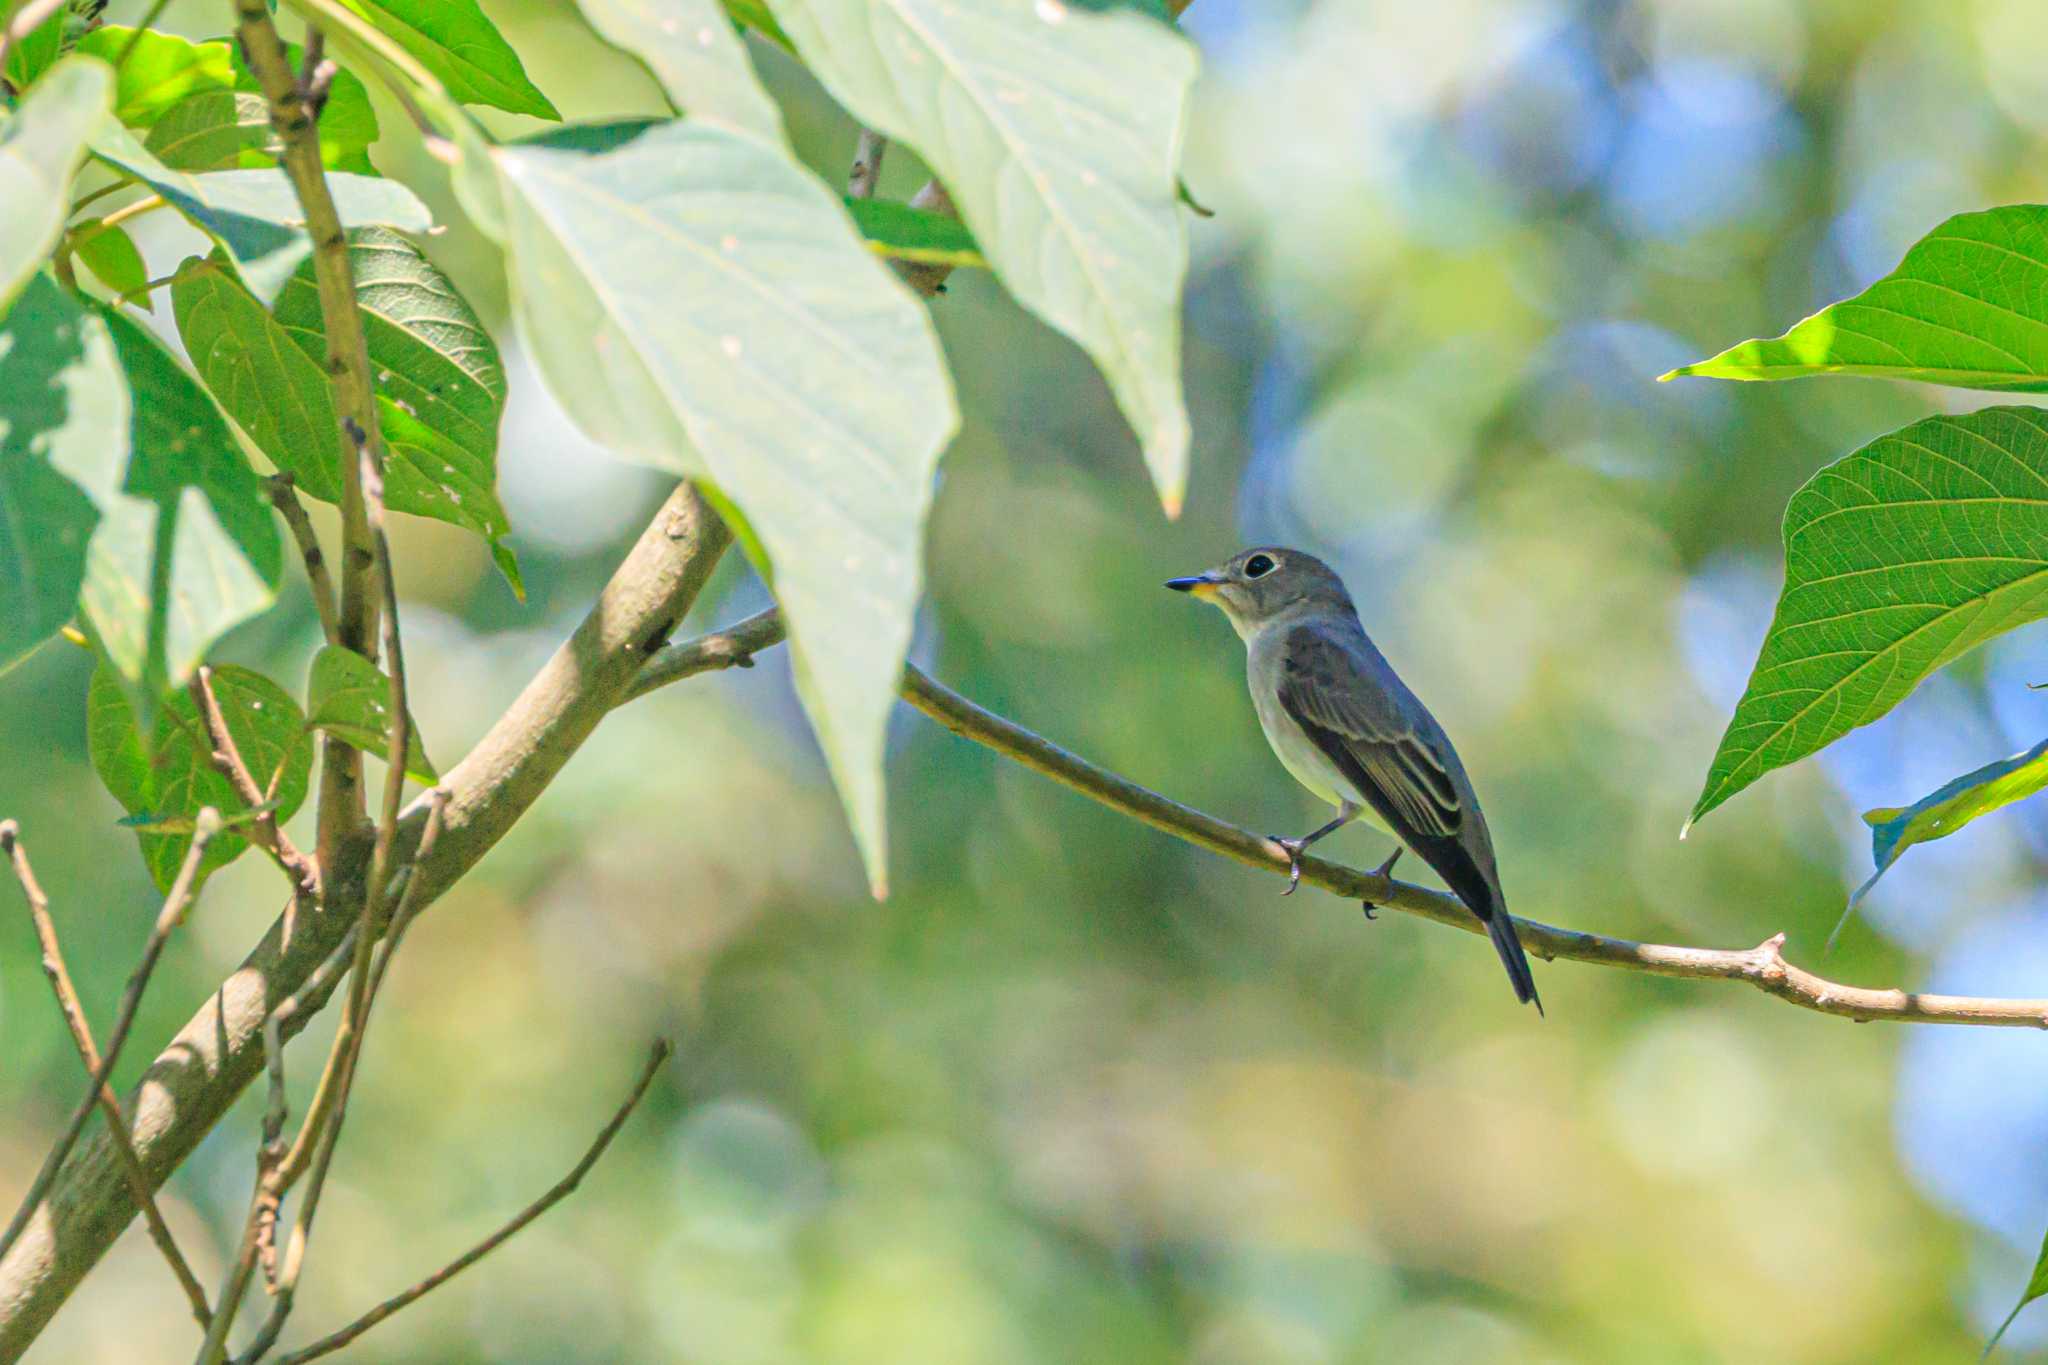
[[733, 647], [226, 756], [285, 498], [1763, 966], [320, 1135], [195, 1079], [271, 1153], [168, 918], [348, 367], [561, 1190], [59, 974], [867, 164], [270, 1192]]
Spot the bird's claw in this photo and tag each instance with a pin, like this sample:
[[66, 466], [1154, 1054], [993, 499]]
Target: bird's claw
[[1384, 870], [1292, 848]]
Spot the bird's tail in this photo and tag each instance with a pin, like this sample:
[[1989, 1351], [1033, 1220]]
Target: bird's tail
[[1500, 927]]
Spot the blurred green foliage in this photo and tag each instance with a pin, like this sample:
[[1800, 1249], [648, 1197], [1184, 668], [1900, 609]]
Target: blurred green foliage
[[1080, 1093]]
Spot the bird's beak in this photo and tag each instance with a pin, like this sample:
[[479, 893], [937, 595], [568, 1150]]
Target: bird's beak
[[1202, 585]]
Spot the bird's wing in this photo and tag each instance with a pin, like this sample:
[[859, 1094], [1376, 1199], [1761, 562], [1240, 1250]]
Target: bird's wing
[[1327, 686], [1347, 700]]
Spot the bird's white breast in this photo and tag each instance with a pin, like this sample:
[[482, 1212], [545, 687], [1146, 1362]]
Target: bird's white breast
[[1296, 751]]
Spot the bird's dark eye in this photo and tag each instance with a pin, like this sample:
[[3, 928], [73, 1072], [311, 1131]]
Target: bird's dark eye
[[1258, 566]]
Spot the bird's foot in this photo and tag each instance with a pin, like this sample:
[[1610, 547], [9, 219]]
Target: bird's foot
[[1292, 848], [1385, 869]]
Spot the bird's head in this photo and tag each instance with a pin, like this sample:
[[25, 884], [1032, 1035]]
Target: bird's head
[[1266, 582]]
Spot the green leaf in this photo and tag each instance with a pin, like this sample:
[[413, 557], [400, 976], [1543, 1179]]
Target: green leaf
[[699, 302], [186, 546], [696, 55], [2037, 1285], [254, 214], [111, 255], [162, 70], [1898, 558], [266, 377], [1058, 134], [433, 356], [36, 53], [209, 130], [754, 14], [350, 698], [462, 48], [42, 144], [61, 402], [171, 778], [905, 233], [441, 389], [1151, 9], [203, 108], [1965, 307], [1940, 813]]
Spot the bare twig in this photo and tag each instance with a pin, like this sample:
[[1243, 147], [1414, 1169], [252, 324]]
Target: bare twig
[[410, 902], [285, 498], [312, 1151], [271, 1154], [26, 20], [283, 1282], [1763, 966], [733, 647], [348, 366], [219, 1052], [168, 918], [923, 276], [89, 1054], [226, 756], [561, 1190], [867, 164]]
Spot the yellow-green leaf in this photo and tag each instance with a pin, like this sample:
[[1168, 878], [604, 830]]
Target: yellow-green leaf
[[1964, 307]]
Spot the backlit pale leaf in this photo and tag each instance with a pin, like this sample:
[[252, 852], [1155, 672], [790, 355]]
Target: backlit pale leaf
[[696, 55], [254, 214], [62, 402], [1058, 134], [699, 302], [41, 146]]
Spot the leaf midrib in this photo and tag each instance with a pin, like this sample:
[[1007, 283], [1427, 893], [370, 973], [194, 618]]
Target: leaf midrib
[[1888, 654], [1020, 150]]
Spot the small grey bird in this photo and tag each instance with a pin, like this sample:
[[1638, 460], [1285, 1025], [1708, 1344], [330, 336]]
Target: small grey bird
[[1351, 732]]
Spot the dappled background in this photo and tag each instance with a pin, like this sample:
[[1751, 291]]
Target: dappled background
[[1077, 1092]]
